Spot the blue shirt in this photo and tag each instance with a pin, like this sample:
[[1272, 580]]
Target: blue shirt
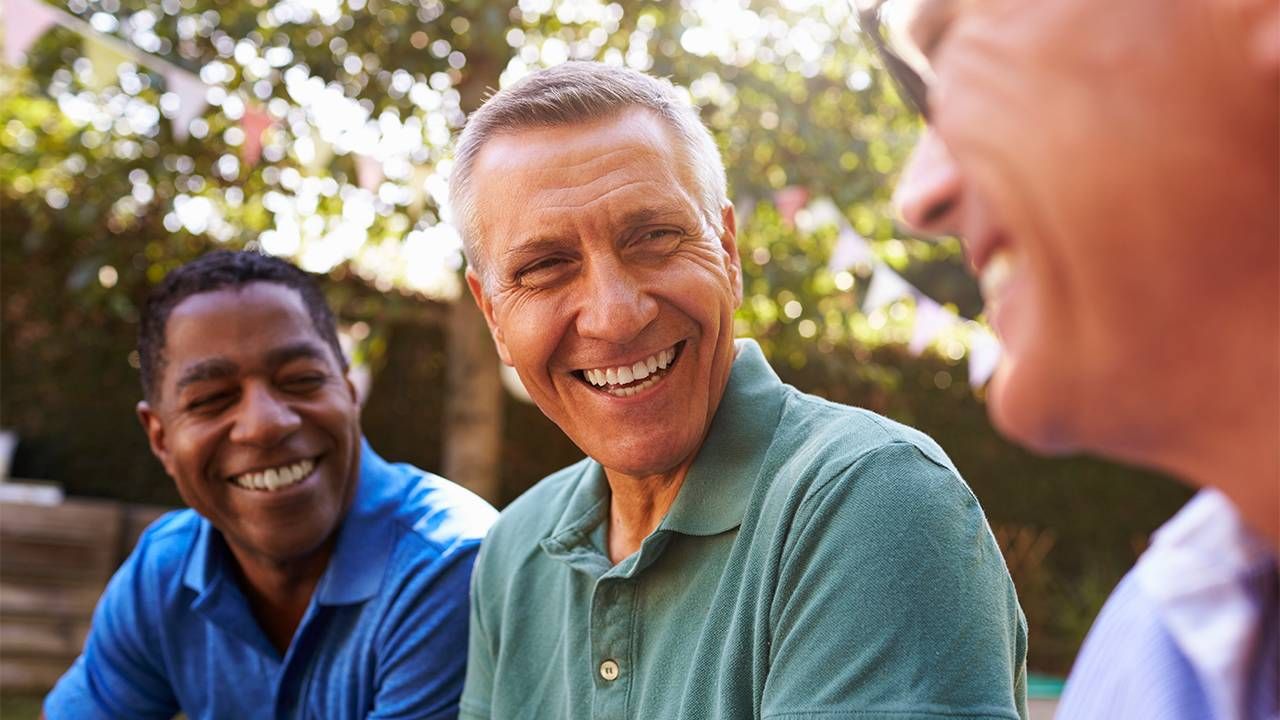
[[385, 635], [1191, 633]]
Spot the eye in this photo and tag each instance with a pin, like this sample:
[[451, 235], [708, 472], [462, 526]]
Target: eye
[[658, 240], [303, 383], [211, 402], [542, 272]]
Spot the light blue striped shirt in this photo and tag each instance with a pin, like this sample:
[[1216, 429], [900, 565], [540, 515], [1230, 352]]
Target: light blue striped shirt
[[1192, 632]]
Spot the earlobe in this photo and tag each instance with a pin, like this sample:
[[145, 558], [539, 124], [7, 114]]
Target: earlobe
[[476, 286]]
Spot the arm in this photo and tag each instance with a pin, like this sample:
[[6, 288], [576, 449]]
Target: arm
[[120, 673], [422, 657], [893, 601]]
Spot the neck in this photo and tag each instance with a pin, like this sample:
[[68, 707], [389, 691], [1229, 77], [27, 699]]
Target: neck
[[280, 592], [637, 506]]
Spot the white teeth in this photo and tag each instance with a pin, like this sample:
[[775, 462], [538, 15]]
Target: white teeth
[[627, 374], [275, 478], [996, 274]]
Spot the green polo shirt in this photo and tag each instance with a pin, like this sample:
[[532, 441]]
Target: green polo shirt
[[820, 561]]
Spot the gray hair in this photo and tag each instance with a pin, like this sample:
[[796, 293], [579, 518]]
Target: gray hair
[[577, 92]]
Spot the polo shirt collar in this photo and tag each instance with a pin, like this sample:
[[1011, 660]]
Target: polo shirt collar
[[360, 555], [713, 498]]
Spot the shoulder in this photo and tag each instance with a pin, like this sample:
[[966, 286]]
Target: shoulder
[[163, 547], [1130, 664], [430, 510], [535, 513], [531, 517], [829, 452]]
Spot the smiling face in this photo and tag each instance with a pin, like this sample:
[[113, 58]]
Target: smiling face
[[605, 286], [1111, 170], [255, 421]]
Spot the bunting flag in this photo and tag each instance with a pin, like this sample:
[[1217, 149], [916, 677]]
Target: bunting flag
[[851, 249], [984, 355], [191, 100], [368, 172], [789, 201], [24, 22], [254, 122], [886, 287], [931, 321]]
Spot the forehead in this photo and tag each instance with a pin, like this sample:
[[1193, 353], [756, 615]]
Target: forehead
[[237, 324], [544, 178]]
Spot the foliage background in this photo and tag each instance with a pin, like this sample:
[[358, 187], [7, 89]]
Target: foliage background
[[101, 198]]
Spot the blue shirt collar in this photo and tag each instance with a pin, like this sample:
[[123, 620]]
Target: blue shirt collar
[[360, 555]]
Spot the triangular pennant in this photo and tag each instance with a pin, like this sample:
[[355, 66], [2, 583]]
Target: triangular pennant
[[368, 172], [851, 249], [789, 201], [254, 123], [24, 22], [191, 100], [886, 286], [105, 58], [931, 320], [984, 355]]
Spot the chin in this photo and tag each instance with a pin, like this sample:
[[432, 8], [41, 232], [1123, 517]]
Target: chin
[[1025, 411]]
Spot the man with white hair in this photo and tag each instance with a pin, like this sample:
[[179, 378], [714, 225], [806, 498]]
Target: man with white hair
[[731, 547], [1112, 168]]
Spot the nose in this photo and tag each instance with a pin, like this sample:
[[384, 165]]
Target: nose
[[615, 305], [263, 419], [928, 194]]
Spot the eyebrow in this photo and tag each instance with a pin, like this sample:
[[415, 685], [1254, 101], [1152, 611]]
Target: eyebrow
[[222, 368]]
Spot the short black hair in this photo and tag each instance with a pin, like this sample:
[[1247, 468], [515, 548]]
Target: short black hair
[[219, 270]]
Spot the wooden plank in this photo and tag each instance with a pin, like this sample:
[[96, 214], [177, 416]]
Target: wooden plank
[[25, 598], [31, 674], [41, 637], [79, 520]]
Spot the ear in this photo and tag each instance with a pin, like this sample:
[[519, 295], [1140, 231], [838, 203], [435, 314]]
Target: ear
[[486, 307], [154, 428], [729, 242]]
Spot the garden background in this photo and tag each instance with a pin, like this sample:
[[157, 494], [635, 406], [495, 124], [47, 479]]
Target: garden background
[[136, 135]]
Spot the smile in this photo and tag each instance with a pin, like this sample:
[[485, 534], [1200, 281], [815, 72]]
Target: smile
[[627, 380], [276, 478]]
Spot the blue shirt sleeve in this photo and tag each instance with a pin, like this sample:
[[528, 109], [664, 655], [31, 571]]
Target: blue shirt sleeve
[[423, 654], [894, 601], [120, 673]]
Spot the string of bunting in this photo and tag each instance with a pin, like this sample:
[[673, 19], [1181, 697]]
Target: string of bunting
[[886, 286]]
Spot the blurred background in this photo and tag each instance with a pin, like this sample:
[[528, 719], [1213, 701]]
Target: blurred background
[[138, 134]]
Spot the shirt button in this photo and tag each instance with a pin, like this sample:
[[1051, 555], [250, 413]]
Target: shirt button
[[609, 670]]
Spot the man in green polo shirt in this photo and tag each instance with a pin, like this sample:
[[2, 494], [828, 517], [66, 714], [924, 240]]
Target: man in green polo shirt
[[731, 548]]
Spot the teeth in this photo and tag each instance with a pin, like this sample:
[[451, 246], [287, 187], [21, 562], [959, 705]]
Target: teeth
[[275, 478], [996, 275], [627, 374]]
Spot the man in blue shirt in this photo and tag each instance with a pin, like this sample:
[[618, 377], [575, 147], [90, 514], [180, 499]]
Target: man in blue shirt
[[310, 578]]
